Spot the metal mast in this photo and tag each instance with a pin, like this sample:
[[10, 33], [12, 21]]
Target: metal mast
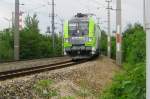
[[16, 31], [53, 26], [118, 34], [13, 21], [109, 32], [144, 13], [147, 27], [62, 36]]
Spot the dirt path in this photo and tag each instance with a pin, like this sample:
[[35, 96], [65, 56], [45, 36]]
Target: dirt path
[[78, 82]]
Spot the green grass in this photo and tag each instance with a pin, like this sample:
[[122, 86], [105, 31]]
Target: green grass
[[44, 89]]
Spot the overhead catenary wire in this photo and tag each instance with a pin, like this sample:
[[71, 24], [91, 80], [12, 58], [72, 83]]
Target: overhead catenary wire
[[34, 9], [42, 5], [99, 4], [6, 2]]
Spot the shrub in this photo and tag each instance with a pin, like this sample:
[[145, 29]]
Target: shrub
[[130, 83]]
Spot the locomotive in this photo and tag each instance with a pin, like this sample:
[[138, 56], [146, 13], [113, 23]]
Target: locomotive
[[81, 37]]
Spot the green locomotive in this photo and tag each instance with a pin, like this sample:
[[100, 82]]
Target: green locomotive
[[81, 37]]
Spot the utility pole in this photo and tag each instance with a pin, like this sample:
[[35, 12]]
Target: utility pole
[[13, 21], [62, 33], [62, 24], [20, 20], [53, 25], [144, 13], [48, 30], [147, 27], [118, 34], [98, 20], [16, 31], [109, 32]]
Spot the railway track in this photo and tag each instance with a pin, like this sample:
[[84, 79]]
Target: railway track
[[33, 70], [24, 60], [30, 63]]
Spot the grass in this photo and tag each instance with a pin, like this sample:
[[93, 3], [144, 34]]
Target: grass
[[44, 89]]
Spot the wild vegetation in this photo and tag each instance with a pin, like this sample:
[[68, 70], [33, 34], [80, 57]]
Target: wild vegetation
[[33, 44], [44, 89], [130, 83], [103, 45]]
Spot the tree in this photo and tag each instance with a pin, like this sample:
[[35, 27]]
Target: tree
[[6, 46], [34, 44], [103, 43], [31, 23], [134, 44]]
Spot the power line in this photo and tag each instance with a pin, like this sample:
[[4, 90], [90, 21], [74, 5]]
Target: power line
[[96, 2], [6, 1], [33, 9], [42, 6], [42, 2]]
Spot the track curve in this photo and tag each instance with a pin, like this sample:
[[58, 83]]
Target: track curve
[[38, 69]]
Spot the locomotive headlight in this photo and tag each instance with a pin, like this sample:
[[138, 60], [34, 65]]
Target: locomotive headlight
[[90, 39], [67, 40]]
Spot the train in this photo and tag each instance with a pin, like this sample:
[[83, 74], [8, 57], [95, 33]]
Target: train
[[81, 37]]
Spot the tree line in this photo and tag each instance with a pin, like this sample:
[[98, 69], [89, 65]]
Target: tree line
[[33, 44]]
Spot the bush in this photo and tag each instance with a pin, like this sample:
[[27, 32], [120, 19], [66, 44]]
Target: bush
[[130, 83], [134, 44]]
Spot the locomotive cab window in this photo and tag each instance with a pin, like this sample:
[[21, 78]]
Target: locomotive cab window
[[73, 29], [78, 29], [83, 27]]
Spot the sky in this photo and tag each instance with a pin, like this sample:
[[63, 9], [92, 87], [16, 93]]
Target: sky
[[132, 11]]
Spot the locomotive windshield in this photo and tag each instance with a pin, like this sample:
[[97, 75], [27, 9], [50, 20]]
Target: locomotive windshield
[[73, 28], [78, 29], [83, 27]]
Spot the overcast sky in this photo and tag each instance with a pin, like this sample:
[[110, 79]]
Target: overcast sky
[[132, 11]]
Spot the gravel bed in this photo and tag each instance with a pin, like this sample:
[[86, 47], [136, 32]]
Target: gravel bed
[[70, 81]]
